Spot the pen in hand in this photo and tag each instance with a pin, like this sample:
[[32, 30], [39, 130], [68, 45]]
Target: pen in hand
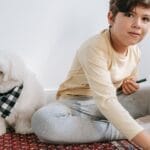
[[141, 80], [138, 81]]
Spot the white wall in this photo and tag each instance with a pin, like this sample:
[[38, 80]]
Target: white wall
[[46, 33], [145, 59]]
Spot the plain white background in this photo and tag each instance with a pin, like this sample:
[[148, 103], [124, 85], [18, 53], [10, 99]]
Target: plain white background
[[47, 33]]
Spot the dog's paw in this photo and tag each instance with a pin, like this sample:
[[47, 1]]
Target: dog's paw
[[24, 130], [2, 131], [2, 128]]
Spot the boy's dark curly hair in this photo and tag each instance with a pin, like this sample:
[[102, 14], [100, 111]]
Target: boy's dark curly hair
[[126, 5]]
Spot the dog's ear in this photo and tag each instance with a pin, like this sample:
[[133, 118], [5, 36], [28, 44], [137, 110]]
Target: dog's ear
[[4, 69], [17, 69], [6, 77]]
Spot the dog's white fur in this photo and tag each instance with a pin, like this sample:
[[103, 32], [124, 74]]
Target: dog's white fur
[[13, 72]]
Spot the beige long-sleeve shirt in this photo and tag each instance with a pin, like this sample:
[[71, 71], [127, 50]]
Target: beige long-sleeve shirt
[[98, 70]]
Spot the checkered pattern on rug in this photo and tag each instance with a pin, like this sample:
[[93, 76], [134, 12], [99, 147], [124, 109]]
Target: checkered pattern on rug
[[8, 100], [13, 141]]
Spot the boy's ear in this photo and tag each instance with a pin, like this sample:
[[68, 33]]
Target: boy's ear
[[110, 18]]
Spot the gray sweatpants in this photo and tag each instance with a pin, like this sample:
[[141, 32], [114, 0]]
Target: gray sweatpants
[[80, 121]]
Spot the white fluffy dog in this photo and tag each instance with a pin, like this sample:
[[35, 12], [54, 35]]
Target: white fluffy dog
[[14, 73]]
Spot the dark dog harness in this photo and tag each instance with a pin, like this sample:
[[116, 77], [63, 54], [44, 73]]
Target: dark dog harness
[[8, 100]]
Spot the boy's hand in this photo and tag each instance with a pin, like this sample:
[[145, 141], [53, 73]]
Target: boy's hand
[[129, 85]]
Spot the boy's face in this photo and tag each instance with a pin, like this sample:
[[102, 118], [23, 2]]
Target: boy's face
[[131, 27]]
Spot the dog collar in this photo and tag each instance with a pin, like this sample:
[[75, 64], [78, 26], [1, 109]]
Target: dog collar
[[8, 100]]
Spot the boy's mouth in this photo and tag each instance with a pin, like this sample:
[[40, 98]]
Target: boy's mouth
[[134, 34]]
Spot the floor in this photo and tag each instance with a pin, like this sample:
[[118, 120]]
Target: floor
[[13, 141]]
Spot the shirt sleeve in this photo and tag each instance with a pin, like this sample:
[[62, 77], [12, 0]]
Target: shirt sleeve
[[95, 65]]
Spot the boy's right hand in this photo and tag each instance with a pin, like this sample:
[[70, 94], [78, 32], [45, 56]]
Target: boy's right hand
[[129, 85]]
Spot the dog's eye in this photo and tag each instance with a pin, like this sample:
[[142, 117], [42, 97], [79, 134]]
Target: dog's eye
[[1, 72]]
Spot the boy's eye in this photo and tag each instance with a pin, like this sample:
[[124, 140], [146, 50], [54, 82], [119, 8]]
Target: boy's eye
[[146, 19], [128, 14]]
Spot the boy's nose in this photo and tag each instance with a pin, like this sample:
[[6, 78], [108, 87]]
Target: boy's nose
[[137, 23]]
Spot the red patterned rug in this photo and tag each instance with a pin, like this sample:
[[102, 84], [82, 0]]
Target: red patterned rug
[[13, 141]]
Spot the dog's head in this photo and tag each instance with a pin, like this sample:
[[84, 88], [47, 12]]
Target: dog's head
[[12, 71]]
